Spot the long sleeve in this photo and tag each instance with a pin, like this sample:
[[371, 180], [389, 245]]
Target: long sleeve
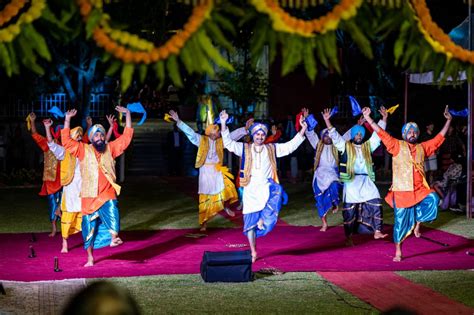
[[347, 136], [193, 136], [283, 149], [337, 140], [374, 139], [41, 141], [231, 145], [76, 148], [312, 138], [57, 150], [238, 133], [119, 145], [432, 145], [391, 144]]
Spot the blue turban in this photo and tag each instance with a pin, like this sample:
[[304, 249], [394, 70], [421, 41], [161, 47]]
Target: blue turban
[[258, 127], [357, 129], [407, 127], [94, 129]]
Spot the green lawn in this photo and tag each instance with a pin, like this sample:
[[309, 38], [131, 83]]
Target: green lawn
[[152, 203]]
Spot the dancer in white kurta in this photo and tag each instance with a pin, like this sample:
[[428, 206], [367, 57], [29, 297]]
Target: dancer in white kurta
[[362, 208], [262, 196], [71, 180], [326, 185], [215, 181]]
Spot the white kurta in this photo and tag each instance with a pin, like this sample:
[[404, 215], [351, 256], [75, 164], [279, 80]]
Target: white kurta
[[326, 173], [72, 191], [257, 192], [211, 181], [361, 188]]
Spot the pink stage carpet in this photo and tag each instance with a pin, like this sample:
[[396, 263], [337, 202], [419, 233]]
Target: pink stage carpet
[[288, 248]]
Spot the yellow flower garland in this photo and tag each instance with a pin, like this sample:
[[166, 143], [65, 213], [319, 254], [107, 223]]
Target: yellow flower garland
[[34, 11], [130, 48], [436, 37], [284, 22]]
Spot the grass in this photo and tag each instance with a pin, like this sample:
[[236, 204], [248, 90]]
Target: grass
[[152, 203]]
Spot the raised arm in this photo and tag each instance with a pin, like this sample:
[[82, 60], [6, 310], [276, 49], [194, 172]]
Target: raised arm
[[374, 139], [32, 118], [118, 146], [448, 117], [391, 144], [76, 148], [337, 140], [229, 144], [283, 149], [57, 150], [110, 119], [310, 135], [39, 139], [193, 136], [47, 126]]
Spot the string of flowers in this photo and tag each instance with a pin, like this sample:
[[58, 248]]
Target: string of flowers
[[9, 33], [436, 37], [11, 10], [132, 49], [284, 22]]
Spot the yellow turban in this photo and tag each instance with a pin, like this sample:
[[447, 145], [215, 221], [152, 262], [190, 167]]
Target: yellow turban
[[211, 129], [76, 133]]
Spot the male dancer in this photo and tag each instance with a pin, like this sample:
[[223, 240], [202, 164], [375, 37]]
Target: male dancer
[[99, 188], [263, 196], [51, 176], [362, 205], [326, 185], [410, 195], [71, 216], [215, 181]]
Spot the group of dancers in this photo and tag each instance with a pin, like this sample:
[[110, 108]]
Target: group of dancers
[[84, 167]]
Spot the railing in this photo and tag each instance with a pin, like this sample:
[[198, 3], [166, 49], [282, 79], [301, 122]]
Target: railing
[[16, 109]]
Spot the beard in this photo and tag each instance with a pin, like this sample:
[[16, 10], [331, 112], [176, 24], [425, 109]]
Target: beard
[[359, 141], [99, 145], [412, 140]]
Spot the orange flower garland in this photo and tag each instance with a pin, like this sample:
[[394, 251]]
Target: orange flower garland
[[282, 21], [130, 48], [11, 10], [436, 37], [9, 33]]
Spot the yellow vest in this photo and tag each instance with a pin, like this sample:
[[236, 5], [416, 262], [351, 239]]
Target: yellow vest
[[50, 166], [90, 171], [68, 165], [319, 150], [204, 149], [246, 163], [403, 166]]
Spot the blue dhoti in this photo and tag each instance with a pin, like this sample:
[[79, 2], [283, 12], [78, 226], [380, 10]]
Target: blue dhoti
[[406, 218], [98, 226], [363, 218], [327, 199], [269, 214], [54, 200]]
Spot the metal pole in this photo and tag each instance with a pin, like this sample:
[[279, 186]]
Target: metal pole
[[405, 112], [469, 131]]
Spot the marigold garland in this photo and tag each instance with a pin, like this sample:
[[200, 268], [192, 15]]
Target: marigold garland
[[11, 10], [9, 33], [436, 37], [132, 49], [284, 22]]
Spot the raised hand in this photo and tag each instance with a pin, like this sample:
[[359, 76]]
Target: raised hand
[[223, 116], [110, 119], [174, 115], [447, 114], [89, 121], [47, 123], [326, 113], [305, 112], [274, 129], [32, 116], [361, 120], [366, 112], [383, 112], [249, 123], [303, 122], [122, 109], [71, 113]]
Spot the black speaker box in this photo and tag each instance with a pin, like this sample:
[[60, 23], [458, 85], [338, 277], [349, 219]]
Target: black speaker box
[[235, 266]]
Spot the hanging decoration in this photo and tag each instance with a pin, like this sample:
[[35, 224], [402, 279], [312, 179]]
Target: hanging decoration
[[192, 44]]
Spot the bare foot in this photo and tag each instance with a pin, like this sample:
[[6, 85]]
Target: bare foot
[[260, 225], [203, 227], [116, 242], [89, 263], [397, 258], [229, 212], [324, 228], [52, 234], [416, 231], [335, 209], [254, 257], [64, 249], [379, 235]]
